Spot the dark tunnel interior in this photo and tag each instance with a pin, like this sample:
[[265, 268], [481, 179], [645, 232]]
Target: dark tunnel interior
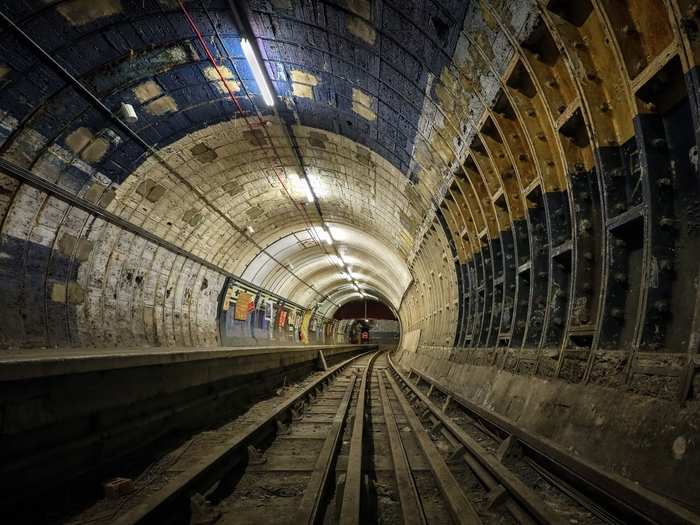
[[216, 212]]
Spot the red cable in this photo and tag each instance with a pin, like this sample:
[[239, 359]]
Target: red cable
[[212, 61]]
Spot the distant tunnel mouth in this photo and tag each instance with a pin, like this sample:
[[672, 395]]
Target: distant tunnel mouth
[[368, 321]]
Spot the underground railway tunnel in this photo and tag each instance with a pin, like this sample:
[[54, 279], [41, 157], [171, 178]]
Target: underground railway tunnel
[[349, 261]]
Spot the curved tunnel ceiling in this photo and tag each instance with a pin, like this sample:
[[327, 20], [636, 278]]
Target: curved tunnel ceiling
[[518, 180], [363, 198], [372, 264], [490, 155], [372, 108]]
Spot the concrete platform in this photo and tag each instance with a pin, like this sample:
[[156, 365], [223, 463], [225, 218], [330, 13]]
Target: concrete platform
[[79, 413], [28, 364]]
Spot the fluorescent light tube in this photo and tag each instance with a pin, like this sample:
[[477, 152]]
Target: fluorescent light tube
[[327, 237], [307, 189], [323, 235], [257, 72]]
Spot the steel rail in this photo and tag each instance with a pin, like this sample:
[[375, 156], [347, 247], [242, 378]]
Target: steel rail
[[460, 508], [485, 466], [307, 512], [216, 464], [626, 499], [351, 508], [411, 507]]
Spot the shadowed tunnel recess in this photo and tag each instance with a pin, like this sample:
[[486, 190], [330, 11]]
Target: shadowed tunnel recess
[[516, 181]]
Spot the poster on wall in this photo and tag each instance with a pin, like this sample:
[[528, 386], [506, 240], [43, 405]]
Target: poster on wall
[[304, 327], [282, 319], [243, 306]]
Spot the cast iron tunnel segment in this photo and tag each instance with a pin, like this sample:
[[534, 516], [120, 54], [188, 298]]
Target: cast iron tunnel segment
[[515, 458]]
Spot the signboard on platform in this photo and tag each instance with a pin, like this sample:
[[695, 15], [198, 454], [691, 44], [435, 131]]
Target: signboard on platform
[[243, 306], [282, 318], [228, 298]]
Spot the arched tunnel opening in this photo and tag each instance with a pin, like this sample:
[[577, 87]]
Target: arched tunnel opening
[[358, 261], [368, 320]]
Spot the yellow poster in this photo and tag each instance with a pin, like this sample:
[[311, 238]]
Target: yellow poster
[[304, 332], [242, 305]]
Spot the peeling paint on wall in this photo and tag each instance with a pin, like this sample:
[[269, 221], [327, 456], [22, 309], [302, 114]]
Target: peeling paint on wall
[[212, 75], [148, 90], [303, 83], [72, 293], [162, 105], [192, 217], [150, 190], [73, 246], [362, 104], [78, 139], [95, 150], [361, 8], [203, 153], [83, 142], [81, 12], [318, 140], [98, 192], [361, 29]]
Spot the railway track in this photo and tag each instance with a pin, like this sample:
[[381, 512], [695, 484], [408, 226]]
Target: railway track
[[365, 444], [536, 480]]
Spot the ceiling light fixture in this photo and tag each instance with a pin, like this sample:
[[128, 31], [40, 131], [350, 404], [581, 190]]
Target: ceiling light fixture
[[260, 79], [307, 189], [127, 113]]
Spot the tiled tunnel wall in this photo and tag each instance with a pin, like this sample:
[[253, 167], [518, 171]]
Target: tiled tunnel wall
[[571, 219], [573, 212], [534, 162], [71, 279], [550, 147]]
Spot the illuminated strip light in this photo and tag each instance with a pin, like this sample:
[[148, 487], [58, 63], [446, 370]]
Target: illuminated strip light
[[324, 235], [260, 79], [307, 189]]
